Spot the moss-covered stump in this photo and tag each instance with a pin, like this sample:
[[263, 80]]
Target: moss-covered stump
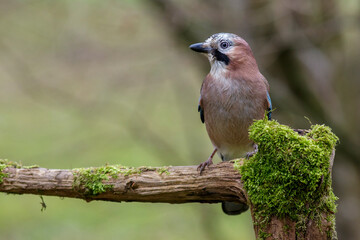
[[288, 182]]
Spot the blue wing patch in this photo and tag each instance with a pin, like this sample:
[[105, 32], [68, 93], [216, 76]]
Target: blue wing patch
[[270, 105]]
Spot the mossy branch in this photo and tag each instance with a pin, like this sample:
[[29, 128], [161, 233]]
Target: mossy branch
[[181, 184], [287, 183]]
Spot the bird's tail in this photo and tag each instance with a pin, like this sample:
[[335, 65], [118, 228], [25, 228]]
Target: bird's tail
[[231, 208]]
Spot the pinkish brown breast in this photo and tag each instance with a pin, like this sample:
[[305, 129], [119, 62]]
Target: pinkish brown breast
[[230, 106]]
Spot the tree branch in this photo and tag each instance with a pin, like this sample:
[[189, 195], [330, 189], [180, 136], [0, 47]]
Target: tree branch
[[288, 182], [180, 184]]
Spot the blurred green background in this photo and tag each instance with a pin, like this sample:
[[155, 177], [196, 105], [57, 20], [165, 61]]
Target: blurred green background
[[84, 83]]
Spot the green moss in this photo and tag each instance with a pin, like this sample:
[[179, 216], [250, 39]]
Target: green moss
[[162, 170], [8, 163], [2, 175], [92, 179], [4, 163], [289, 176], [286, 228], [31, 166], [263, 235]]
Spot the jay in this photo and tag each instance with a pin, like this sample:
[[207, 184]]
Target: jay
[[232, 96]]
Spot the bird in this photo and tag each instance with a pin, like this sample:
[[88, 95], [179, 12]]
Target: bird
[[233, 94]]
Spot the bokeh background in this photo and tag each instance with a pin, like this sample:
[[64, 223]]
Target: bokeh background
[[84, 83]]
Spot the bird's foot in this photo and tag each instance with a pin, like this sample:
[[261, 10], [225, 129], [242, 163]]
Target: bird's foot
[[208, 162], [202, 165], [250, 154]]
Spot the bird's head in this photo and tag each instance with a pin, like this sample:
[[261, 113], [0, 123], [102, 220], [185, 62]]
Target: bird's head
[[226, 52]]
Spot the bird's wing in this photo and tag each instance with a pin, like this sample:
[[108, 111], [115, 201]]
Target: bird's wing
[[269, 105], [201, 110]]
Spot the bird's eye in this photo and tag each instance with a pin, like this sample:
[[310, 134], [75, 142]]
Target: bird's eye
[[224, 45]]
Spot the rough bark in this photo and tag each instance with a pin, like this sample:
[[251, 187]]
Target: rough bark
[[181, 184], [285, 229]]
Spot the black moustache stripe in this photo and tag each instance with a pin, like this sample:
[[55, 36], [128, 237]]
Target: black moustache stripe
[[221, 57]]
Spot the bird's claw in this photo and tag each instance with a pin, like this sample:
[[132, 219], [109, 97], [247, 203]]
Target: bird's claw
[[202, 165], [250, 154]]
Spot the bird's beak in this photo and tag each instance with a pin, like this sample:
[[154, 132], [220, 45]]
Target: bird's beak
[[200, 47]]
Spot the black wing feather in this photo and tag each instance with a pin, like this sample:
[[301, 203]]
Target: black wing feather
[[201, 111]]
